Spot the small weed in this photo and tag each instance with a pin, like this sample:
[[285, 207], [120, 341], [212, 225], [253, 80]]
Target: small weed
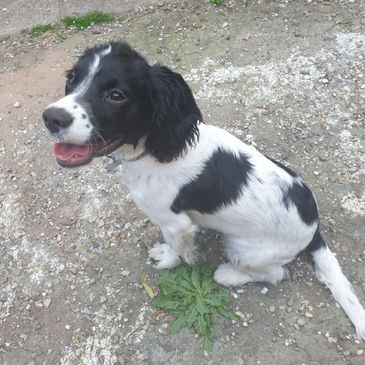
[[7, 261], [217, 2], [177, 59], [191, 295], [82, 22], [61, 38], [41, 28], [4, 38]]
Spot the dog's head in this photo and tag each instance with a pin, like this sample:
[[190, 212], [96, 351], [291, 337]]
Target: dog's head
[[113, 97]]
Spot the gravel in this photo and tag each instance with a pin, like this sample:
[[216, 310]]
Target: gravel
[[285, 77]]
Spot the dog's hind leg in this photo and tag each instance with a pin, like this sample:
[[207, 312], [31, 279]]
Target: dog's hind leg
[[229, 275], [178, 231], [252, 260]]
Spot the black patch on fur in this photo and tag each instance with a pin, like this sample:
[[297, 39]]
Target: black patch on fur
[[316, 243], [300, 195], [285, 168], [220, 183]]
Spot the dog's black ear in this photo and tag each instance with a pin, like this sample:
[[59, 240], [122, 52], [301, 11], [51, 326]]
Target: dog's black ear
[[175, 115]]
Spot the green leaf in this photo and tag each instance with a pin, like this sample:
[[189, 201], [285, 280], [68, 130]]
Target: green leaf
[[191, 315], [182, 272], [186, 284], [179, 324], [208, 341], [195, 277], [200, 325], [227, 314], [215, 302], [200, 305], [208, 286], [166, 302], [224, 295]]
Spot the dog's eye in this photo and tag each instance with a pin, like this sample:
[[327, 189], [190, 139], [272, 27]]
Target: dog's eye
[[71, 77], [116, 95]]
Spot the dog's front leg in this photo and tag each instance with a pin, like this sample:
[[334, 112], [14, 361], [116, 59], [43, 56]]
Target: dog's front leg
[[178, 233]]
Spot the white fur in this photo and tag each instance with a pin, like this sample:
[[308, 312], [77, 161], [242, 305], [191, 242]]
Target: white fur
[[81, 128], [329, 272], [261, 234]]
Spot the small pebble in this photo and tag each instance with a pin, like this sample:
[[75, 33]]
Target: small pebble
[[332, 339], [23, 336], [67, 326], [87, 310], [301, 322], [360, 352], [17, 104], [264, 290], [272, 309], [125, 272], [309, 315], [102, 299], [47, 302]]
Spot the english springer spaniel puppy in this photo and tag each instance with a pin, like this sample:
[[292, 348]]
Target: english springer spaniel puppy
[[185, 174]]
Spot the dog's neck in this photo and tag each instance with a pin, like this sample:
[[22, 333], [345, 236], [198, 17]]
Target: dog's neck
[[130, 152]]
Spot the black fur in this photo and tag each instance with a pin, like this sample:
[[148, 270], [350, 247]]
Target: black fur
[[300, 195], [175, 115], [159, 104], [316, 243], [219, 184], [285, 168]]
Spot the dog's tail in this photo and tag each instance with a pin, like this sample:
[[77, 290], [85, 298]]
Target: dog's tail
[[329, 272]]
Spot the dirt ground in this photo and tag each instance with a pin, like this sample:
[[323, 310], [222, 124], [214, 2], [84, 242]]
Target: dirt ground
[[285, 76]]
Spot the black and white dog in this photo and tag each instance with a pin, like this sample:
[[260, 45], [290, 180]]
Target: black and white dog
[[184, 174]]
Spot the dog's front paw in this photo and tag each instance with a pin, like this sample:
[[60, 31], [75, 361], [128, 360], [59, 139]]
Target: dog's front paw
[[164, 255]]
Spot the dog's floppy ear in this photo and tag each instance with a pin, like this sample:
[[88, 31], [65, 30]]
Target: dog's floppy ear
[[175, 115]]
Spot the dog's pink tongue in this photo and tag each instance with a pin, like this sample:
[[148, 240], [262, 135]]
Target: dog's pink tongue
[[67, 151]]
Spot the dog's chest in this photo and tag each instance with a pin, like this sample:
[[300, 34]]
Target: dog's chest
[[150, 190]]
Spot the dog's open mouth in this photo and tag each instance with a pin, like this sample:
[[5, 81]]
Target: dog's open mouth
[[74, 155]]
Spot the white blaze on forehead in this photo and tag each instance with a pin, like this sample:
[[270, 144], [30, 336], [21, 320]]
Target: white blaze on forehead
[[93, 69], [106, 51]]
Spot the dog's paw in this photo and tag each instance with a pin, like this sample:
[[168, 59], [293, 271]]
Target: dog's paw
[[164, 255], [227, 275]]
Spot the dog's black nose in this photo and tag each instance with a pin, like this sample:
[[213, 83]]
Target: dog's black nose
[[56, 119]]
